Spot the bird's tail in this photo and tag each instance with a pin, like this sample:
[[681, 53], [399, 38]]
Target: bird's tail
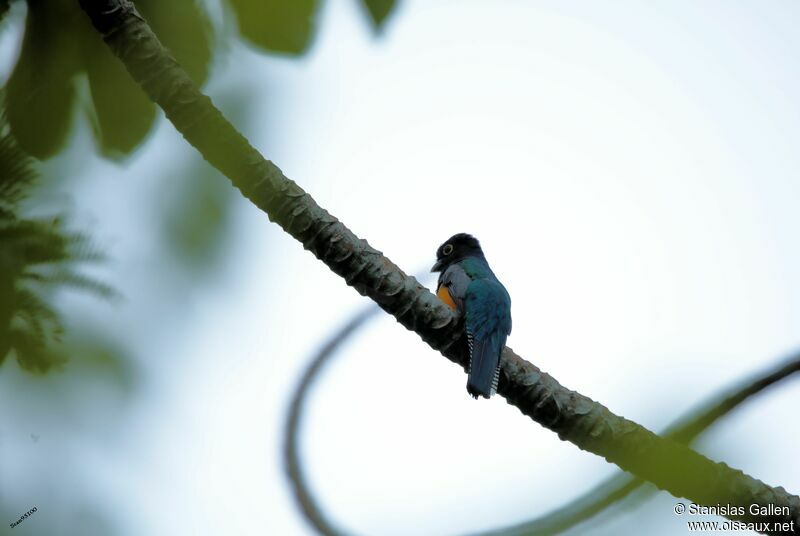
[[484, 365]]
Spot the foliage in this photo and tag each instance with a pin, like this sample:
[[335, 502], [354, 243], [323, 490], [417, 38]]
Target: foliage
[[60, 49], [277, 25], [196, 205], [280, 26], [37, 256], [379, 10], [60, 46]]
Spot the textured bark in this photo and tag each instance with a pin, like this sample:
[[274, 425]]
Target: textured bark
[[576, 418], [618, 487], [591, 502]]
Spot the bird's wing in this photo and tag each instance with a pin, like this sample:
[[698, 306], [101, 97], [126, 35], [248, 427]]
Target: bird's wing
[[488, 323], [454, 282], [488, 308]]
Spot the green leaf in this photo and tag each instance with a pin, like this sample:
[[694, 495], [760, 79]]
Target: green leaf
[[379, 10], [197, 215], [124, 113], [183, 27], [3, 9], [60, 42], [40, 93], [277, 25]]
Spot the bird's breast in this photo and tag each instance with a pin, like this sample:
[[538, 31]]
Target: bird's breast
[[444, 295]]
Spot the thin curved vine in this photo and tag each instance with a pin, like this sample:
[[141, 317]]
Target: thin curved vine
[[589, 425]]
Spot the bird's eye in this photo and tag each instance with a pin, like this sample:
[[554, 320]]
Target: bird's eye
[[447, 249]]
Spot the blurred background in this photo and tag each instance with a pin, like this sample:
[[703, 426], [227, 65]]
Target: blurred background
[[630, 168]]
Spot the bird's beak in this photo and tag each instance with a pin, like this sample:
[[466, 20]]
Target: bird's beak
[[437, 267]]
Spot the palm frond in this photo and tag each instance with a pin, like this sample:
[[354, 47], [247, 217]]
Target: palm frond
[[16, 171], [37, 256], [71, 279], [32, 355]]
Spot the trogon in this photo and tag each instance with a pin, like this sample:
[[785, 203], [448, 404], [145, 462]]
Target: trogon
[[468, 285]]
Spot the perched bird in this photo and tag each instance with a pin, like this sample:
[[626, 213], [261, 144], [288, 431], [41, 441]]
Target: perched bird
[[468, 285]]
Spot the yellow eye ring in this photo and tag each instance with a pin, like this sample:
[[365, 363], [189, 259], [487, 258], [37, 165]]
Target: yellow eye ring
[[447, 249]]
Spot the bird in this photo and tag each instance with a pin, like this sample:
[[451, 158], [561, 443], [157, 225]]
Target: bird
[[468, 285]]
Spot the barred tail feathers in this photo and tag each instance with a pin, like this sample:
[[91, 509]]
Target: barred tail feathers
[[484, 365]]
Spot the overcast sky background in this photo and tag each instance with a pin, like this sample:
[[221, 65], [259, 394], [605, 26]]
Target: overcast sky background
[[631, 170]]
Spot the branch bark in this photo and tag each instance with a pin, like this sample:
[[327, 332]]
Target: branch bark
[[605, 494], [574, 417], [617, 487]]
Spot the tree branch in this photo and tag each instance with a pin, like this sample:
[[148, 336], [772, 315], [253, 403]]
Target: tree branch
[[600, 497], [574, 417], [684, 430]]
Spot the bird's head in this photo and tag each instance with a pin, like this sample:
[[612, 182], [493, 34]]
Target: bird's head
[[457, 247]]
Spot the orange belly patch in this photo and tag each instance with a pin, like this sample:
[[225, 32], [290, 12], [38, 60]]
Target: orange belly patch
[[444, 295]]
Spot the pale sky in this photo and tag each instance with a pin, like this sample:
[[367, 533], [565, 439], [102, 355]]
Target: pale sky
[[631, 170]]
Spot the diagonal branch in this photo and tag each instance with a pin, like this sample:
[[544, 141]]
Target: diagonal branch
[[598, 498], [574, 417], [617, 487]]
